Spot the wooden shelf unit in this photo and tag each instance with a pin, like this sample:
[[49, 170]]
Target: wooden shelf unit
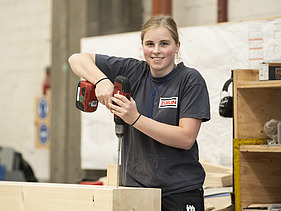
[[257, 169]]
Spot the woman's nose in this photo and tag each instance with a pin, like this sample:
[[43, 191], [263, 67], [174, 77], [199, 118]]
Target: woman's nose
[[156, 49]]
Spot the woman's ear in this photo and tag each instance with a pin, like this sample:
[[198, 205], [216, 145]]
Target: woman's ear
[[178, 47]]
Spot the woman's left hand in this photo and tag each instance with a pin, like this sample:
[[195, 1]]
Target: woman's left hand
[[182, 136], [124, 108]]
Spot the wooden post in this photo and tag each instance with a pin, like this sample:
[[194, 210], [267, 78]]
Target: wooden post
[[112, 175], [222, 11]]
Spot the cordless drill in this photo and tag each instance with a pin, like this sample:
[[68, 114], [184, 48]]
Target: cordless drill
[[122, 87], [86, 101]]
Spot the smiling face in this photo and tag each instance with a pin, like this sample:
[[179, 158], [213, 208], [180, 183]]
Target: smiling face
[[159, 49]]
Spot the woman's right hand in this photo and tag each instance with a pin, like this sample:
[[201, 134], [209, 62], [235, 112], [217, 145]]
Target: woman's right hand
[[104, 91]]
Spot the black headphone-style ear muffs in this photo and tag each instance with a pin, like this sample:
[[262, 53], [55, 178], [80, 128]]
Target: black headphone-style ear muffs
[[226, 103]]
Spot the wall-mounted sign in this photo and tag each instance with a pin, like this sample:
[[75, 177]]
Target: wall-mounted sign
[[42, 121]]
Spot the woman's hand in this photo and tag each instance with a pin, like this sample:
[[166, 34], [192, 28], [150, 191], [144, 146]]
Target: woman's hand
[[124, 108], [104, 91]]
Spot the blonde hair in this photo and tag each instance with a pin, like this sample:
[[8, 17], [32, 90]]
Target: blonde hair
[[161, 20]]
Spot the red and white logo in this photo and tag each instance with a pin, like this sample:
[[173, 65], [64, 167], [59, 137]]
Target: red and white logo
[[171, 102]]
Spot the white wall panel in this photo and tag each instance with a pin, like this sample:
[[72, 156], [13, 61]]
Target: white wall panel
[[24, 55]]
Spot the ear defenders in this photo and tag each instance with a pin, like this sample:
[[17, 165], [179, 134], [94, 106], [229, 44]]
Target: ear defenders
[[226, 103]]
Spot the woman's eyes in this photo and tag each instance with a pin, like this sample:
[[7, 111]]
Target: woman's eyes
[[152, 44]]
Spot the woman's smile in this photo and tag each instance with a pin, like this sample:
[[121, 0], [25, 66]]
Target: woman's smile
[[157, 58]]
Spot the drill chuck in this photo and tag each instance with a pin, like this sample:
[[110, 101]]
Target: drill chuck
[[119, 130]]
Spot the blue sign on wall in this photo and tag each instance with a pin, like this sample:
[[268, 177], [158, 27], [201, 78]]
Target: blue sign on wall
[[43, 133], [2, 172], [43, 108]]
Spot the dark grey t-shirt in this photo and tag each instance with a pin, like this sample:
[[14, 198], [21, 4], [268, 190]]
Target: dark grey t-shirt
[[145, 161]]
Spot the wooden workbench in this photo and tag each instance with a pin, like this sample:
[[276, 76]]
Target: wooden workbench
[[23, 196]]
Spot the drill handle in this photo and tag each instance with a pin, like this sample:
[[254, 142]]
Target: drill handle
[[121, 86]]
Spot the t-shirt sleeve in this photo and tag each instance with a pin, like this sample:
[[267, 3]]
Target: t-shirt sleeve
[[113, 66], [194, 102]]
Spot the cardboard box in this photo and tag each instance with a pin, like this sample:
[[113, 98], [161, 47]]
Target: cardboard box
[[270, 71]]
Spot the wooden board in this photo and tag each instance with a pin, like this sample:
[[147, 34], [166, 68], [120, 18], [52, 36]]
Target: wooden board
[[259, 207], [260, 175], [217, 175], [261, 148], [215, 180], [222, 203], [23, 196]]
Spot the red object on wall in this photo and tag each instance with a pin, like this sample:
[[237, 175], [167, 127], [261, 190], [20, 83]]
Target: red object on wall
[[47, 81]]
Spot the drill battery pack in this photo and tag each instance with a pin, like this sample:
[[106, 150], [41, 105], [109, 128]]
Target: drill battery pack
[[86, 99]]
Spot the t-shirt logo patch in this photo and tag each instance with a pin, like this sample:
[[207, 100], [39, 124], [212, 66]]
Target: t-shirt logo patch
[[171, 102]]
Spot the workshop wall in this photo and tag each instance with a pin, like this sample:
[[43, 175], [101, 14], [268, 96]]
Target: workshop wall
[[25, 53], [204, 12]]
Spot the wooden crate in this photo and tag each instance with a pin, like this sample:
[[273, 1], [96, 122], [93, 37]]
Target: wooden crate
[[260, 170], [23, 196]]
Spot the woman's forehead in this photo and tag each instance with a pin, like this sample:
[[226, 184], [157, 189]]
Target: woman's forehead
[[157, 33]]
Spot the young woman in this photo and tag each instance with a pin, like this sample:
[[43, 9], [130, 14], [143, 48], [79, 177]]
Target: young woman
[[168, 104]]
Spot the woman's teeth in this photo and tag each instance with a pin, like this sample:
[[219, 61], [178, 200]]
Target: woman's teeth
[[157, 58]]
